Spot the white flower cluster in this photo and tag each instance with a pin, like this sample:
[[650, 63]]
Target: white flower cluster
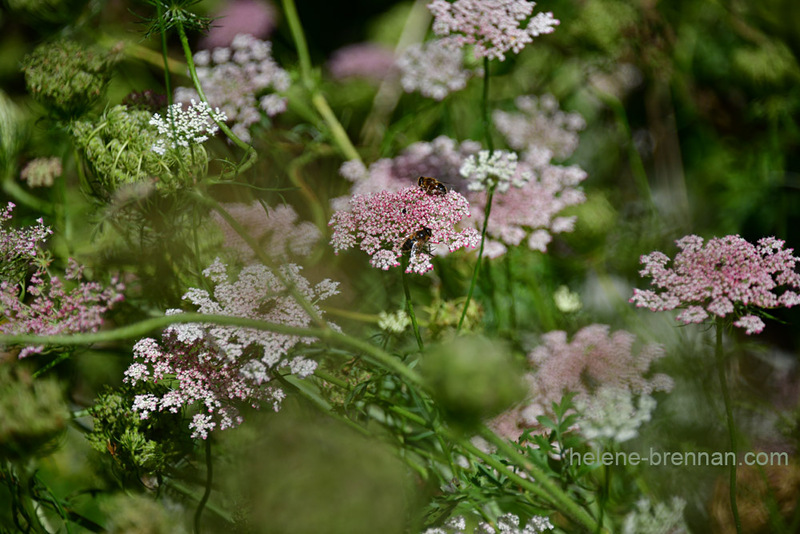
[[185, 127], [506, 524], [540, 125], [395, 323], [498, 168], [219, 367], [242, 80], [434, 69], [611, 414], [656, 519]]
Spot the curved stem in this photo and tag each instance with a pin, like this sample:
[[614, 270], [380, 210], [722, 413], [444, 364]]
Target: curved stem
[[486, 213], [336, 129], [541, 485], [726, 397], [207, 492], [410, 306], [142, 328], [187, 52]]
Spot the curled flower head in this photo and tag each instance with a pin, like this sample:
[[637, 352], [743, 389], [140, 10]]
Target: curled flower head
[[724, 277], [493, 26], [388, 223]]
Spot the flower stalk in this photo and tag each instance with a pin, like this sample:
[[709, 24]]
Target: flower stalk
[[726, 397]]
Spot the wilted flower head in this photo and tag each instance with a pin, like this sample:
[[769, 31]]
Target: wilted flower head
[[185, 127], [497, 169], [493, 26], [216, 366], [434, 69], [383, 224], [242, 80], [725, 277], [41, 172], [361, 60], [276, 229]]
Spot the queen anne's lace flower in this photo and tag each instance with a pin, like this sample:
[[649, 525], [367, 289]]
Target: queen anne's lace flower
[[434, 69], [217, 366], [725, 277], [594, 359], [242, 80], [381, 224], [276, 230], [50, 308], [497, 169], [186, 127], [493, 26], [658, 518], [505, 524]]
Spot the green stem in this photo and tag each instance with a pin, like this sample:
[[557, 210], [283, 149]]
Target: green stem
[[410, 306], [486, 213], [541, 485], [142, 328], [164, 52], [337, 131], [731, 425], [13, 189], [634, 158], [187, 52], [207, 492], [487, 125]]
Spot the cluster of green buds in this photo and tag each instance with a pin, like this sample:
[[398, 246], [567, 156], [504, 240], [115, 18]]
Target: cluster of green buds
[[118, 149], [66, 77], [137, 445]]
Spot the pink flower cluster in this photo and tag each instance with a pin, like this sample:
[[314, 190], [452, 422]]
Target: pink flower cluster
[[724, 277], [218, 366], [494, 27], [362, 60], [541, 131], [540, 125], [434, 69], [382, 223], [277, 230], [594, 359], [53, 308], [242, 80], [19, 247], [440, 158]]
